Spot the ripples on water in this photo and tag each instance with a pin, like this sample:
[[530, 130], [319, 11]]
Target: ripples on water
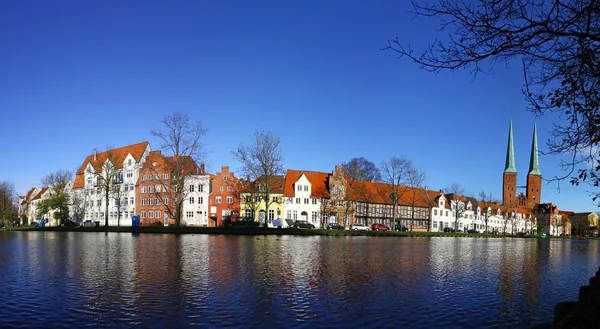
[[58, 279]]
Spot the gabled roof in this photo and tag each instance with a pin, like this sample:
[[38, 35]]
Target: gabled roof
[[318, 180], [116, 156], [30, 194], [379, 193], [277, 184], [40, 193]]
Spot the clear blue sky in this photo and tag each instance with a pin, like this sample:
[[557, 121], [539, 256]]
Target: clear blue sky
[[79, 75]]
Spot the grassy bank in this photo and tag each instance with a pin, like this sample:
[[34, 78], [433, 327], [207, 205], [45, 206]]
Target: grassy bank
[[249, 231]]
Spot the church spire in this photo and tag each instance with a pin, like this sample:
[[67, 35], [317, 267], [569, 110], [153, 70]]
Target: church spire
[[534, 166], [510, 152]]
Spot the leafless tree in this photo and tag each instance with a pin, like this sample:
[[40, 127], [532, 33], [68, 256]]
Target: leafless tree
[[181, 139], [395, 174], [262, 160], [487, 201], [359, 173], [416, 180], [458, 206], [557, 43], [107, 177], [8, 199], [58, 180]]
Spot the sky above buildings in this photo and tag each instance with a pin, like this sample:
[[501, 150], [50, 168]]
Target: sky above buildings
[[82, 75]]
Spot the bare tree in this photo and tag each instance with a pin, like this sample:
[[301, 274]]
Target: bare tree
[[58, 180], [8, 199], [262, 160], [395, 174], [180, 139], [557, 42], [458, 206], [107, 177], [359, 172], [416, 180], [487, 201]]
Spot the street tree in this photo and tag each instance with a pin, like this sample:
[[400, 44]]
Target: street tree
[[395, 173], [107, 176], [456, 191], [262, 162], [359, 172], [8, 199], [557, 44], [181, 140], [59, 200], [487, 211], [416, 180]]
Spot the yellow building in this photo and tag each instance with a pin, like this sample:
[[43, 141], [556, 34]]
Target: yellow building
[[259, 203]]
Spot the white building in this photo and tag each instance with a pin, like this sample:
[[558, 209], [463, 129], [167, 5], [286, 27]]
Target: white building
[[89, 188], [304, 193]]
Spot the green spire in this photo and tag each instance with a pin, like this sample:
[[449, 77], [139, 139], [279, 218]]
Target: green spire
[[534, 166], [510, 152]]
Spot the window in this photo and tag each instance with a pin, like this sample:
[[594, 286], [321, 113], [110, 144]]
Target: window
[[297, 200], [150, 189], [228, 188], [305, 188], [149, 177], [165, 201], [131, 200], [143, 189], [191, 188], [435, 212], [230, 199], [288, 214], [314, 216], [157, 201], [305, 200], [275, 199], [157, 214], [325, 202], [224, 178], [435, 224], [151, 202], [221, 189], [271, 214], [200, 187], [150, 214], [314, 201], [144, 177], [201, 200], [98, 203], [191, 200], [299, 187], [158, 188], [295, 214], [143, 214], [341, 203], [446, 213], [129, 162], [218, 199], [257, 199], [165, 176], [157, 177]]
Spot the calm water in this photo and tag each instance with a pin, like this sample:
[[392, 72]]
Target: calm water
[[74, 279]]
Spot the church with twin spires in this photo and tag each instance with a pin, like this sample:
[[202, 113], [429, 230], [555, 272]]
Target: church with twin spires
[[533, 188]]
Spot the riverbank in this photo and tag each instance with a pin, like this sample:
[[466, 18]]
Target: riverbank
[[257, 231]]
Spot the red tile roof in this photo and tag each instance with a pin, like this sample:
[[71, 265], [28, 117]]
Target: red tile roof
[[39, 195], [379, 193], [317, 179], [117, 156]]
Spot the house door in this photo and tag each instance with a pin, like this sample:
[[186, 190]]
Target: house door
[[304, 216]]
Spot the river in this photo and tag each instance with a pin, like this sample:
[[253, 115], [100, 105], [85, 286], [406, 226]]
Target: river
[[75, 279]]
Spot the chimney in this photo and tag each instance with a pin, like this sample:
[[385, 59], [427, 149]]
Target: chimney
[[224, 169], [95, 151], [202, 168]]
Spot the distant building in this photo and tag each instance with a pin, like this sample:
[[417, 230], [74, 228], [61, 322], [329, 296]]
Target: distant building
[[224, 202]]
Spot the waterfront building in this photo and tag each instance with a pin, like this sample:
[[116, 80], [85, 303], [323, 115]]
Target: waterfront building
[[306, 197], [113, 173], [256, 205], [157, 192], [223, 201]]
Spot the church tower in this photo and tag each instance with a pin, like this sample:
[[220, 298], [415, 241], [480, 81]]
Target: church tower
[[534, 177], [509, 184]]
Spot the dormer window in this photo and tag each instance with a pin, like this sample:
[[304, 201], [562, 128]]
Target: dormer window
[[262, 187], [299, 188]]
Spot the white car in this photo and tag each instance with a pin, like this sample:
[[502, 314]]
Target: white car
[[359, 227]]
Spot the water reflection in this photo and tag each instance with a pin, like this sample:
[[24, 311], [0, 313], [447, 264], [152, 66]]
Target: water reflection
[[109, 279]]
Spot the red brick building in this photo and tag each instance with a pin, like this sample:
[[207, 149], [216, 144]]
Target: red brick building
[[224, 203]]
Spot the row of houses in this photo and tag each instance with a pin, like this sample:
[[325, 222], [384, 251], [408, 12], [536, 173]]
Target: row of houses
[[113, 186]]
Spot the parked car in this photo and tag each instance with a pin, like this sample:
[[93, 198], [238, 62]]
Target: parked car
[[34, 224], [70, 223], [302, 224], [379, 227], [471, 231], [401, 228], [334, 226], [359, 227], [449, 230]]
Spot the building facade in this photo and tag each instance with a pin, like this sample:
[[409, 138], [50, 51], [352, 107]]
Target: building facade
[[223, 201]]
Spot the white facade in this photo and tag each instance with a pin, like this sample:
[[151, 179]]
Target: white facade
[[195, 205], [301, 206], [121, 201]]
